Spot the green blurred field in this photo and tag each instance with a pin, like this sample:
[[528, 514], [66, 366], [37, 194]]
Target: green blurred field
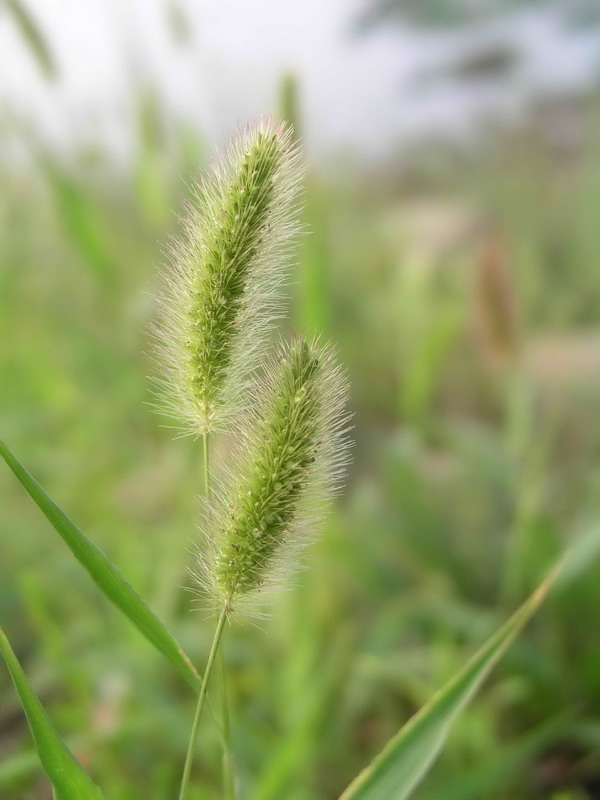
[[465, 300]]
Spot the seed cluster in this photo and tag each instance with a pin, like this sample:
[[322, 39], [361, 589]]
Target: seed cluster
[[220, 292], [266, 501], [219, 303], [290, 463]]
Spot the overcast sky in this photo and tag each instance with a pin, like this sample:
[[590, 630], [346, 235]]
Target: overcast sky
[[356, 92]]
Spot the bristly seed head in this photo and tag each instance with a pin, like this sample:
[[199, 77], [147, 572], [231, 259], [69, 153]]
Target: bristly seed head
[[292, 460], [220, 296]]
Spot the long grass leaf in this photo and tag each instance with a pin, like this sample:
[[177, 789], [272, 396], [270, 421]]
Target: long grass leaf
[[105, 575], [70, 779], [397, 770]]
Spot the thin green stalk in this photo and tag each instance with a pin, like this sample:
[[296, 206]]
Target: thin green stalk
[[206, 465], [185, 780], [228, 781]]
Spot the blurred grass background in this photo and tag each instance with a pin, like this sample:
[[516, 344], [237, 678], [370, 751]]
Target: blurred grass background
[[464, 295]]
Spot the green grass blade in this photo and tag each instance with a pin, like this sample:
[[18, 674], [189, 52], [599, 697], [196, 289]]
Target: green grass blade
[[68, 777], [105, 575], [397, 770]]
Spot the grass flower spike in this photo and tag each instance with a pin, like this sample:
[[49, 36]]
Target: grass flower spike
[[220, 296], [289, 463]]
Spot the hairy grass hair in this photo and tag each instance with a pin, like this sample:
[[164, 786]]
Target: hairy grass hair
[[290, 461], [221, 289]]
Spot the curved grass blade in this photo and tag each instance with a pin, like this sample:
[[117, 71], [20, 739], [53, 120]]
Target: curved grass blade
[[105, 575], [396, 771], [68, 777]]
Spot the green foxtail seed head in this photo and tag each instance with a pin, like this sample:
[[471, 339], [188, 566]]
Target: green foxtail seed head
[[288, 465], [221, 294]]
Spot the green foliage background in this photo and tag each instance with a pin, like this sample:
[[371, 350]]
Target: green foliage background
[[476, 459]]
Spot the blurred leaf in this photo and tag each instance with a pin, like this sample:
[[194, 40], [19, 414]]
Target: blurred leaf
[[284, 770], [81, 222], [33, 36], [288, 102], [16, 766], [584, 552], [424, 365], [61, 766], [502, 765], [178, 23], [105, 575], [312, 299], [401, 765], [149, 181], [448, 13], [436, 13]]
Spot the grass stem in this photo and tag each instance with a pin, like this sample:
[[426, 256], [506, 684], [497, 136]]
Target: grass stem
[[227, 760], [228, 775], [206, 464], [185, 780]]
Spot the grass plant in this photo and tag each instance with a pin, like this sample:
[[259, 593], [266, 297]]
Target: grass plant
[[407, 578]]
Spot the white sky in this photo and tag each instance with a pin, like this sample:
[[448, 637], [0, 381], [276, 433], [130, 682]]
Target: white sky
[[354, 91]]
